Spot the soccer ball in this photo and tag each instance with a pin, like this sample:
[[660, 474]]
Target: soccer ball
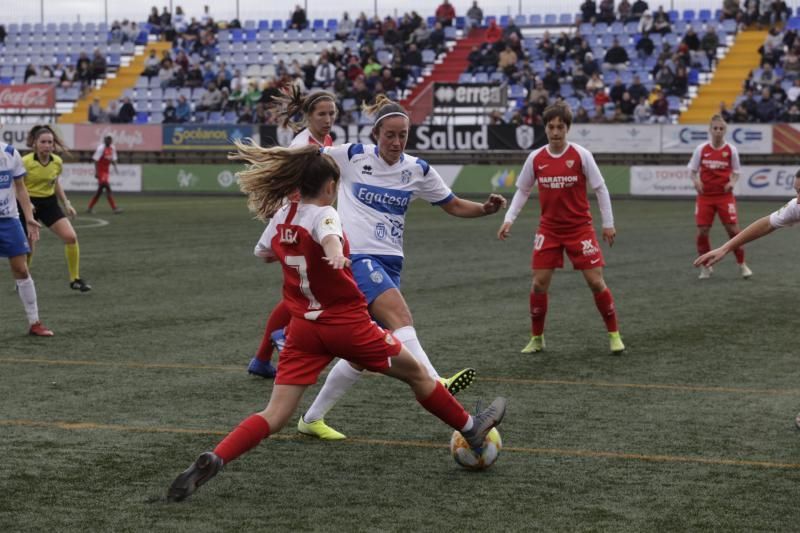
[[466, 456]]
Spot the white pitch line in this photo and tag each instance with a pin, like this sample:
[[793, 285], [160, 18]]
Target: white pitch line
[[96, 222]]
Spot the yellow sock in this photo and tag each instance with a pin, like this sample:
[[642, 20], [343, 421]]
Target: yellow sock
[[29, 260], [73, 254]]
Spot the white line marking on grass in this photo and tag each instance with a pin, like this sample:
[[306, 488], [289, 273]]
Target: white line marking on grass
[[95, 222]]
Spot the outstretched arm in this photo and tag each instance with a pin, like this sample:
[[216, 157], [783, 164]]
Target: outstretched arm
[[459, 207], [334, 252], [754, 231]]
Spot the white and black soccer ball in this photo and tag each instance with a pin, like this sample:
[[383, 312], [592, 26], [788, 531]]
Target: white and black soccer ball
[[468, 458]]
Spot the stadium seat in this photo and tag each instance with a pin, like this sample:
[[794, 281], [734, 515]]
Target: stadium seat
[[536, 20], [565, 19], [464, 77], [431, 21], [332, 25], [704, 15], [141, 117], [277, 25], [550, 19], [504, 19], [428, 56], [521, 20], [689, 15]]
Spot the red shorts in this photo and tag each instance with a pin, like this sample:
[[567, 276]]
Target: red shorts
[[102, 177], [310, 346], [707, 206], [581, 246]]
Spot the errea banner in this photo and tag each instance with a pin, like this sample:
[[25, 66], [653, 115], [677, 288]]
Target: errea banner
[[754, 181], [204, 136], [470, 95], [748, 138]]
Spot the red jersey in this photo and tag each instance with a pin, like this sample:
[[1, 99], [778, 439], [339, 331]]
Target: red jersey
[[103, 157], [304, 138], [715, 167], [561, 180], [312, 289]]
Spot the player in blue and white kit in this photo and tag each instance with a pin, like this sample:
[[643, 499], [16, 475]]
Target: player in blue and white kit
[[13, 241], [378, 184]]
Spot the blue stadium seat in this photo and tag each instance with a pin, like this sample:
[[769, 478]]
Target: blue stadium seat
[[263, 25], [550, 19], [481, 77], [793, 23], [704, 15], [461, 23], [428, 56], [688, 15], [249, 24], [431, 21], [673, 15], [489, 19], [498, 76], [237, 36], [536, 20], [565, 18], [450, 33], [277, 25], [141, 117], [332, 25], [504, 20], [586, 29], [465, 77]]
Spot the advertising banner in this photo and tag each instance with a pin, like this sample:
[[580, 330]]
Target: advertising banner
[[27, 96], [127, 137], [621, 138], [483, 179], [205, 136], [786, 138], [470, 95], [190, 178], [762, 181], [16, 134], [748, 138], [80, 177]]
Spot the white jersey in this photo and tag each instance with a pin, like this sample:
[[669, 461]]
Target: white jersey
[[98, 153], [11, 168], [304, 138], [788, 215], [374, 196]]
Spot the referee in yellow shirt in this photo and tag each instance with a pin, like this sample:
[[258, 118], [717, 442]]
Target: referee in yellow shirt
[[43, 170]]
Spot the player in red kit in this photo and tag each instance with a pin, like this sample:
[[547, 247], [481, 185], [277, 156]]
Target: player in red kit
[[562, 171], [715, 170], [329, 312], [318, 114], [104, 157]]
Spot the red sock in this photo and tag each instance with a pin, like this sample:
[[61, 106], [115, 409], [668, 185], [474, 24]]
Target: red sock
[[279, 318], [538, 306], [703, 244], [739, 253], [245, 437], [445, 407], [111, 200], [93, 200], [605, 304]]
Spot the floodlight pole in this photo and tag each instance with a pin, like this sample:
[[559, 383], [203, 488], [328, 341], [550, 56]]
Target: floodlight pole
[[237, 11], [41, 11], [106, 11]]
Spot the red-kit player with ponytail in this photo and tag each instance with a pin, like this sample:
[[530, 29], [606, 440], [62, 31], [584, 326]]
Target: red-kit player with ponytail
[[715, 170], [329, 313], [104, 157], [318, 112], [562, 171]]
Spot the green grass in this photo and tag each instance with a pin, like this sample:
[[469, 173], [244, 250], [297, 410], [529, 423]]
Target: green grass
[[691, 429]]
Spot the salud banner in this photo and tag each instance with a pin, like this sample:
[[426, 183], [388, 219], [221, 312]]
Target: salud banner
[[747, 138], [470, 95], [126, 137], [27, 96], [763, 181], [205, 136], [80, 177], [618, 138]]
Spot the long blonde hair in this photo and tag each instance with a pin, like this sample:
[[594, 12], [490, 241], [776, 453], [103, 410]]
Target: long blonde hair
[[274, 173], [292, 102]]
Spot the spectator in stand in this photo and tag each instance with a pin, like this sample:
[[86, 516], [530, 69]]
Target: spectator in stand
[[530, 117], [642, 113], [299, 20], [475, 15], [183, 111], [740, 115], [627, 105], [794, 91], [551, 82], [206, 17], [388, 81], [30, 72], [112, 111], [590, 66], [616, 57], [601, 98], [792, 115], [154, 20], [588, 11], [581, 116], [637, 89], [507, 61], [680, 84], [624, 11], [767, 77], [324, 74], [772, 49], [639, 8], [496, 118], [69, 77], [780, 12], [616, 91], [437, 38], [646, 23], [579, 81], [445, 13], [709, 43], [606, 11], [766, 109], [645, 46], [166, 74], [361, 93], [660, 108], [692, 42], [99, 65], [599, 115], [170, 113], [538, 92], [194, 76], [493, 33], [126, 112], [151, 65], [420, 35], [474, 59], [726, 114], [2, 34], [96, 112], [345, 27], [731, 10], [661, 22], [179, 21], [211, 100]]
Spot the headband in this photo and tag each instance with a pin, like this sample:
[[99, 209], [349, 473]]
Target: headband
[[317, 97], [393, 113]]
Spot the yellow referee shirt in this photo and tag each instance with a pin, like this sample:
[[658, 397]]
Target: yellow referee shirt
[[41, 179]]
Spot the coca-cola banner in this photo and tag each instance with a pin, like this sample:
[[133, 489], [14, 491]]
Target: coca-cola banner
[[27, 96], [126, 137]]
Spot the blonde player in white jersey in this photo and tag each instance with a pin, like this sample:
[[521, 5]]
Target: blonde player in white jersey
[[377, 185], [786, 216], [13, 240]]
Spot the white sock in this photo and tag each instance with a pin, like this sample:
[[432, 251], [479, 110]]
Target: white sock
[[408, 336], [468, 425], [27, 293], [341, 377]]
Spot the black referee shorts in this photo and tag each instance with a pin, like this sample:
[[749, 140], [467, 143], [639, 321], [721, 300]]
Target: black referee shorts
[[46, 210]]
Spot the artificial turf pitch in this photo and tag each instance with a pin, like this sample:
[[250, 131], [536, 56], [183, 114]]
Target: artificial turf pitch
[[691, 429]]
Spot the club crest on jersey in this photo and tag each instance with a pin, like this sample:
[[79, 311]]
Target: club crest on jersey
[[405, 176], [389, 339], [570, 163], [288, 236], [366, 169], [376, 277], [724, 154], [380, 231]]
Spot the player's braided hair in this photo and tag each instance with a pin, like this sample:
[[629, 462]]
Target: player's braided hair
[[40, 129], [274, 173], [382, 108], [292, 102]]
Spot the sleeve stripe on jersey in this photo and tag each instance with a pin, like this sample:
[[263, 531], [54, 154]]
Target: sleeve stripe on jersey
[[21, 176], [425, 166], [9, 149], [354, 150], [450, 197]]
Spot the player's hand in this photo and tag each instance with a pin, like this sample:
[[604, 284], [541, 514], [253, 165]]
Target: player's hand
[[710, 258], [338, 262], [33, 229], [698, 186], [728, 187], [493, 204], [71, 213], [504, 231], [609, 234]]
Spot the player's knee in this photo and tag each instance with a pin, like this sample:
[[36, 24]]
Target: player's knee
[[71, 239], [19, 270], [703, 230], [539, 285]]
